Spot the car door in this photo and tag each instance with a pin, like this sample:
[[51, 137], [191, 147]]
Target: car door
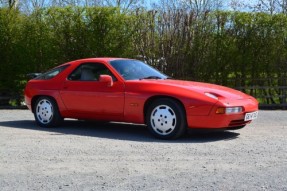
[[83, 93]]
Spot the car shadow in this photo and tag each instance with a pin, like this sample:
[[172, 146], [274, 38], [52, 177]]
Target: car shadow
[[120, 131]]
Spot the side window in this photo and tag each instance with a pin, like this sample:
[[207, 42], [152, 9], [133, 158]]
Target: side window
[[52, 73], [89, 72]]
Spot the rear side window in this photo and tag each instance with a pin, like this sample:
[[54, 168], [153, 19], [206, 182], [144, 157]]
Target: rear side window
[[52, 73]]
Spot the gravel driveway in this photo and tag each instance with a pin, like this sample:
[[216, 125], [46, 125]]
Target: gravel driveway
[[93, 156]]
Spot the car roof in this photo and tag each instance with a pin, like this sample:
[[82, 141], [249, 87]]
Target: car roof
[[100, 59]]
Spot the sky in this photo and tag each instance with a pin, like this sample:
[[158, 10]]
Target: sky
[[149, 3]]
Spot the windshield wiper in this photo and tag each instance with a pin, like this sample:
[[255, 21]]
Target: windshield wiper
[[151, 77]]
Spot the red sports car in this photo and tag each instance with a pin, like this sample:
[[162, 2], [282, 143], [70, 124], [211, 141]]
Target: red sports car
[[126, 90]]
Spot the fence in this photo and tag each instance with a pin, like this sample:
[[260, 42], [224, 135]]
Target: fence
[[266, 97], [271, 94]]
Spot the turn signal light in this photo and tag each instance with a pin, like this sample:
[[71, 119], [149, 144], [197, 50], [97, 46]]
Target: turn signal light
[[220, 110]]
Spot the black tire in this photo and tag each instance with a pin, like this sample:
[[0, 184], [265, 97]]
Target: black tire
[[166, 119], [46, 112]]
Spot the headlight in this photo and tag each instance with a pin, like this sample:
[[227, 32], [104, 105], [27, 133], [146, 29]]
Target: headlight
[[211, 95], [229, 110]]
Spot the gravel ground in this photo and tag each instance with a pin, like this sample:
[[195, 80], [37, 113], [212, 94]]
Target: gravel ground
[[93, 156]]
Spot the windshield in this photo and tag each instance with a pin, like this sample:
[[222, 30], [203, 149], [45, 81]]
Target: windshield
[[135, 69]]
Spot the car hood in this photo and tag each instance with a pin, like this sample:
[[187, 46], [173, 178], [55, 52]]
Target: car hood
[[220, 91]]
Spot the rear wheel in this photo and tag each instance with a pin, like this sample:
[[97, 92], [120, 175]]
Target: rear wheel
[[166, 119], [46, 112]]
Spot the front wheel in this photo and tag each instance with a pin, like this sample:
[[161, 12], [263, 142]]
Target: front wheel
[[46, 112], [166, 119]]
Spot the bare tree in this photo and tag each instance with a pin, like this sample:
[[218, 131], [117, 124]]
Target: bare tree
[[10, 3], [29, 6], [266, 6], [124, 4], [238, 5], [200, 6], [94, 3], [13, 3], [283, 5], [270, 6], [62, 3]]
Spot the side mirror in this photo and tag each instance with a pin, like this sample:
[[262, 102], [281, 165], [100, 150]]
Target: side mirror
[[106, 79]]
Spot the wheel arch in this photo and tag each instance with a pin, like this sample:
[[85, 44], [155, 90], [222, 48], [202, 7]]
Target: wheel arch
[[151, 99], [36, 97]]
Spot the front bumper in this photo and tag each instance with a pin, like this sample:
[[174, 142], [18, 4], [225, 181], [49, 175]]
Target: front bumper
[[216, 121]]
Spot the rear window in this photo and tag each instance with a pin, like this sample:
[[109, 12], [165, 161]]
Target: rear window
[[52, 73]]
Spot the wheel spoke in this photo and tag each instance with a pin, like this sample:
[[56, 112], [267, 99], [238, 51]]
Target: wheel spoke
[[163, 119], [44, 111]]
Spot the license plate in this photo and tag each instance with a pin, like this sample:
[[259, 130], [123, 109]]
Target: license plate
[[251, 116]]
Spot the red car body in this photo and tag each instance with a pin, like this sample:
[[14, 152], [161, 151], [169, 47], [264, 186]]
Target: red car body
[[204, 105]]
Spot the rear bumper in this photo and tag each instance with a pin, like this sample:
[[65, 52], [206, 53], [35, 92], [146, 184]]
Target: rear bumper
[[28, 102]]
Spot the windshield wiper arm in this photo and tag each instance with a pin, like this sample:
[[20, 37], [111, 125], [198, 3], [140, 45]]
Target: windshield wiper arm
[[151, 77]]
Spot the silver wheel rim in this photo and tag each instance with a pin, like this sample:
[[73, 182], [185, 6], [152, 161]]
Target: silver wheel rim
[[44, 111], [163, 120]]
